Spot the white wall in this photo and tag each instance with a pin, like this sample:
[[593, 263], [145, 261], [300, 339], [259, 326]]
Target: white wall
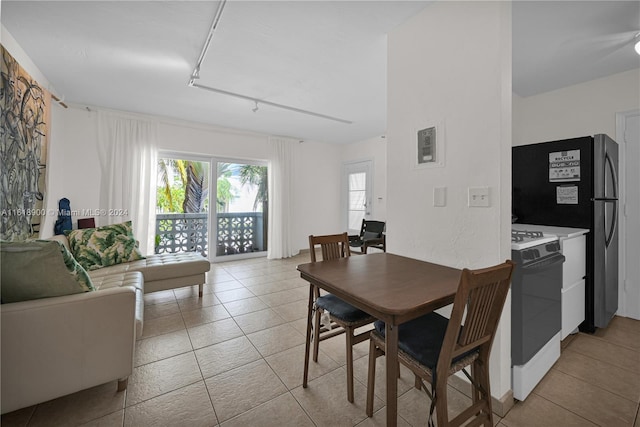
[[74, 170], [374, 149], [451, 63], [583, 109]]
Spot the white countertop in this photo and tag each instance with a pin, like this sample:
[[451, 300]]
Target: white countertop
[[561, 232]]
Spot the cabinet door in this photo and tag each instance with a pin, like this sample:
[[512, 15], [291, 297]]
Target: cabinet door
[[574, 268]]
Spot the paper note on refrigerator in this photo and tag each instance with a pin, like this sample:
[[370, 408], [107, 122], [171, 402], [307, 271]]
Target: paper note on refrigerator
[[567, 195], [564, 166]]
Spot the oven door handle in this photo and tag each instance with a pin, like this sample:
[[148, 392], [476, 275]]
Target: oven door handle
[[544, 264]]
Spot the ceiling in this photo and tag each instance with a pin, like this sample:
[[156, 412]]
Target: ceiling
[[325, 57]]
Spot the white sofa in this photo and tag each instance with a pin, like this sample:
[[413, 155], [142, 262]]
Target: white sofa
[[52, 347]]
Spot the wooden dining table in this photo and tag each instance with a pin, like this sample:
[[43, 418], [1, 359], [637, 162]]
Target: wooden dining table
[[392, 288]]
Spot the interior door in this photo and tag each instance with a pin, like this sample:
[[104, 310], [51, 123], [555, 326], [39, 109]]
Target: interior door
[[628, 137], [357, 194]]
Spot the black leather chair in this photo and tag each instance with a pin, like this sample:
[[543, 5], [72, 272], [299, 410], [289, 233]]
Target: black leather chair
[[371, 236]]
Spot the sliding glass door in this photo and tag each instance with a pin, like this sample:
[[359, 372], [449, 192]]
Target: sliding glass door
[[189, 219], [182, 205], [241, 213]]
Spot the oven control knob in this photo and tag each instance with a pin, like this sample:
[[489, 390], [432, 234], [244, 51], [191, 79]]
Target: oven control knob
[[553, 247]]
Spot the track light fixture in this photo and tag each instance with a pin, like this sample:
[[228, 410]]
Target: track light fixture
[[195, 75]]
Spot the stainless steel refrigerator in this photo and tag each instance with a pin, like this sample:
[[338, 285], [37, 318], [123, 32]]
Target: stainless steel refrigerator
[[574, 183]]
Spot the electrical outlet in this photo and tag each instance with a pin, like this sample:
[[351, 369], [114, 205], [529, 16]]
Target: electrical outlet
[[479, 197]]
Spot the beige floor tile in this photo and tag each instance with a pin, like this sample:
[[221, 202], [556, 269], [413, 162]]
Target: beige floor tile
[[18, 418], [289, 365], [241, 389], [283, 411], [414, 405], [161, 347], [115, 419], [325, 400], [159, 297], [258, 320], [152, 311], [218, 358], [622, 332], [285, 297], [244, 306], [300, 325], [601, 374], [379, 419], [234, 294], [336, 348], [591, 402], [245, 273], [152, 380], [196, 302], [80, 407], [625, 323], [226, 286], [361, 372], [187, 406], [162, 325], [536, 411], [276, 339], [218, 276], [192, 291], [605, 351], [204, 315], [293, 310], [258, 282], [214, 333]]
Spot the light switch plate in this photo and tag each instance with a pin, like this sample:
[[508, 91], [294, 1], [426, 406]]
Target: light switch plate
[[439, 196], [479, 197]]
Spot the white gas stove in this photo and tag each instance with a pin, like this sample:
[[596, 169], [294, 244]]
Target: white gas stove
[[524, 239]]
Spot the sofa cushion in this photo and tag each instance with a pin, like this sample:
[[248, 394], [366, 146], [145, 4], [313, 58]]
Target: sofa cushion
[[99, 247], [40, 269], [160, 266]]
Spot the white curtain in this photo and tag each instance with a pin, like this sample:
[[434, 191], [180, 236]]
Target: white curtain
[[280, 182], [128, 161]]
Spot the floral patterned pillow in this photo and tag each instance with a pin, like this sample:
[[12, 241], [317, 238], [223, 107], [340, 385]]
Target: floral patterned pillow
[[113, 244]]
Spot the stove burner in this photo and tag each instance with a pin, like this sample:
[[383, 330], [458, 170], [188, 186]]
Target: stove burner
[[520, 236]]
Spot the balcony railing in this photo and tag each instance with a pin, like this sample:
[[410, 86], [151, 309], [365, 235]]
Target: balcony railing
[[237, 233]]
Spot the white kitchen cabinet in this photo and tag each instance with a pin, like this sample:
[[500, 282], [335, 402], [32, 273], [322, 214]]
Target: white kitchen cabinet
[[573, 282]]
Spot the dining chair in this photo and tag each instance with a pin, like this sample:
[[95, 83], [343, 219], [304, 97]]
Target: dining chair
[[344, 318], [371, 236], [434, 347]]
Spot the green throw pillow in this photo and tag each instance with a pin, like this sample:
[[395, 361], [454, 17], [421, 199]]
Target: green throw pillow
[[40, 269], [95, 248]]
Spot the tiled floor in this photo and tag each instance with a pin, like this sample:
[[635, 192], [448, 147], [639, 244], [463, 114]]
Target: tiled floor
[[235, 358]]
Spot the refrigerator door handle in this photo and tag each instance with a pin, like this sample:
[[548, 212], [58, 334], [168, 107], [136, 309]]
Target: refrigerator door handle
[[614, 175], [614, 225]]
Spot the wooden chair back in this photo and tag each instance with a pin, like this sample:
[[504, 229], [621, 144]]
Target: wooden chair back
[[333, 246], [476, 311]]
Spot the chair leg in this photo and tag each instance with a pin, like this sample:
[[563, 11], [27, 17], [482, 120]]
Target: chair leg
[[416, 382], [349, 334], [480, 373], [316, 335], [200, 290], [305, 376], [441, 402], [371, 377]]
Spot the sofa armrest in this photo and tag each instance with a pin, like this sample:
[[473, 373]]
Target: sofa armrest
[[52, 347]]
